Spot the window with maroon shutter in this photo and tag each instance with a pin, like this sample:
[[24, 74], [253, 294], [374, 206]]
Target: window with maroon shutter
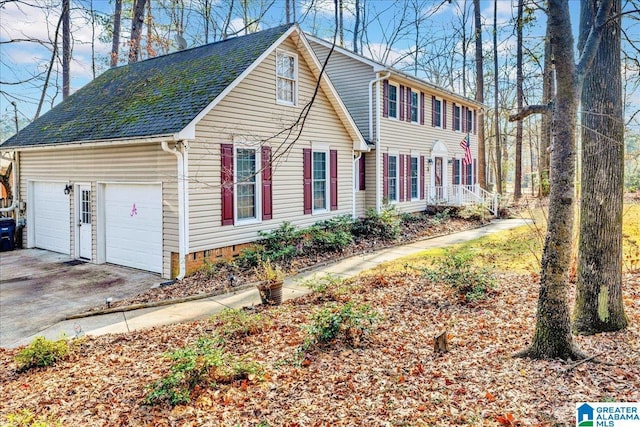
[[385, 175], [403, 108], [422, 108], [385, 98], [456, 172], [423, 180], [463, 119], [361, 173], [267, 192], [409, 177], [333, 179], [226, 151], [307, 181]]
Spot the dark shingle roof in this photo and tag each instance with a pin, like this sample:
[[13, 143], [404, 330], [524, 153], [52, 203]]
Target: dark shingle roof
[[158, 96]]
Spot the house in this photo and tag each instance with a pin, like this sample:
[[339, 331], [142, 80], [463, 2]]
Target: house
[[162, 164], [424, 137]]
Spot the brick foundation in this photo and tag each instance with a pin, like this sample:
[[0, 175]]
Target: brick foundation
[[196, 260]]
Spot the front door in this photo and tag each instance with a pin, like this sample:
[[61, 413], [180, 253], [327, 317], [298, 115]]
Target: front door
[[84, 222]]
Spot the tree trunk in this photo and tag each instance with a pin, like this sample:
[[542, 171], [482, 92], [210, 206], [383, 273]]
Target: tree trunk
[[548, 93], [552, 337], [356, 26], [66, 49], [496, 103], [136, 30], [115, 45], [482, 157], [599, 306], [517, 190]]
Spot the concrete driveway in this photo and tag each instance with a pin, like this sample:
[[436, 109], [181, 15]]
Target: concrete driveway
[[39, 288]]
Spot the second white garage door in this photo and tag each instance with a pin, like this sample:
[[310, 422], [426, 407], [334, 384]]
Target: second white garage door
[[51, 226], [133, 225]]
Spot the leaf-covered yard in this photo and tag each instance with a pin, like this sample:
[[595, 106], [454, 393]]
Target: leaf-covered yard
[[391, 377]]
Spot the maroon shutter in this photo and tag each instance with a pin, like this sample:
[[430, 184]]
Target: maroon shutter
[[402, 176], [385, 175], [401, 103], [433, 111], [333, 183], [307, 182], [423, 181], [408, 104], [475, 171], [408, 176], [226, 151], [267, 192], [453, 116], [453, 172], [421, 108], [463, 118], [385, 98], [361, 173], [444, 114]]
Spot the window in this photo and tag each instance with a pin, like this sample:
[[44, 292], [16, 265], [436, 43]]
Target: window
[[393, 101], [437, 112], [414, 107], [415, 181], [469, 120], [456, 117], [393, 178], [286, 76], [246, 184], [319, 174]]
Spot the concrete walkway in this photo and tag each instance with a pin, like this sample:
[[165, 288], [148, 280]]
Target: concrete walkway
[[199, 309]]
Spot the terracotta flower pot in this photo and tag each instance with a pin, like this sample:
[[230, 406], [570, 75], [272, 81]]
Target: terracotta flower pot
[[271, 293]]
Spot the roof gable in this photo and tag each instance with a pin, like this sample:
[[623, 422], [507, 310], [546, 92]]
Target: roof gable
[[159, 96]]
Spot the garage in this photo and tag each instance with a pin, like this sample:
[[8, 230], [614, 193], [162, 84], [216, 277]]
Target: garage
[[133, 225], [50, 225]]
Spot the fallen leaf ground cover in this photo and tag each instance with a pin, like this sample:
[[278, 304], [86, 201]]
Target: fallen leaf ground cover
[[391, 377]]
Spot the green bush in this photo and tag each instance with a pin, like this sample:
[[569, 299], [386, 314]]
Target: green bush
[[204, 364], [233, 322], [323, 283], [285, 235], [26, 418], [338, 223], [456, 269], [349, 321], [476, 212], [384, 225], [441, 217], [323, 240], [42, 352]]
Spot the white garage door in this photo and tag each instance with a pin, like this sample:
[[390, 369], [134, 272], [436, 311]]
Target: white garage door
[[51, 226], [133, 225]]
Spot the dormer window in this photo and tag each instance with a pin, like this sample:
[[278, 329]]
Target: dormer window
[[286, 78]]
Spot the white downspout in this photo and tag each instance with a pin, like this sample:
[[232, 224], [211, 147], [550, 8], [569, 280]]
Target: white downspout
[[377, 138], [182, 250], [14, 185]]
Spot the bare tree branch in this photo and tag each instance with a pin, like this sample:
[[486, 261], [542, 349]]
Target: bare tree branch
[[530, 110]]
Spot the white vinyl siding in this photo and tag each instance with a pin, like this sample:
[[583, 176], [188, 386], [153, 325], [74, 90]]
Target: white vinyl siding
[[247, 114]]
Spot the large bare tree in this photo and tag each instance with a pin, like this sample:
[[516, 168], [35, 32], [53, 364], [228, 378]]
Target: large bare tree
[[482, 157], [599, 306]]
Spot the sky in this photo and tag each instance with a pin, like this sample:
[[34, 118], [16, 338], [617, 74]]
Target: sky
[[26, 59]]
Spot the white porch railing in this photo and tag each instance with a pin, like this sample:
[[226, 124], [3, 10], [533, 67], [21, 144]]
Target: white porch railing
[[463, 195]]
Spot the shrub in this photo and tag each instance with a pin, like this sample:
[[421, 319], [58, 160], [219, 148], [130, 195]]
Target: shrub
[[441, 217], [204, 364], [26, 418], [233, 322], [42, 352], [283, 236], [410, 217], [384, 225], [477, 212], [455, 269], [323, 283], [338, 223], [351, 321], [328, 241]]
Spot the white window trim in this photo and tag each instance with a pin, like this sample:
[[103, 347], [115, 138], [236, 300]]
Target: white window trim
[[258, 184], [295, 78], [396, 117], [417, 157], [327, 186], [417, 106], [440, 100], [397, 186]]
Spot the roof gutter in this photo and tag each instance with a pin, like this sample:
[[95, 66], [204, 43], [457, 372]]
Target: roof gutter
[[92, 143], [377, 133], [182, 209]]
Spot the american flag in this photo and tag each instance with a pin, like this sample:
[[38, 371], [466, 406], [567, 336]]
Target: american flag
[[466, 145]]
